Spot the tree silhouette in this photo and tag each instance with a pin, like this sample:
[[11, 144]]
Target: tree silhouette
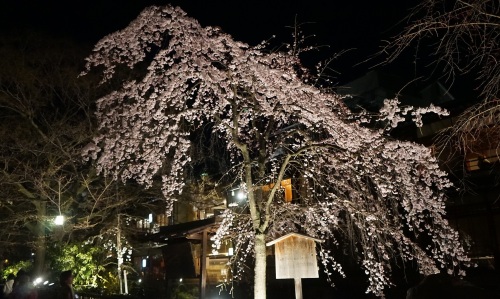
[[461, 37], [45, 121]]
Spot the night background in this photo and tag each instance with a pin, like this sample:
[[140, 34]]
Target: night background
[[357, 27]]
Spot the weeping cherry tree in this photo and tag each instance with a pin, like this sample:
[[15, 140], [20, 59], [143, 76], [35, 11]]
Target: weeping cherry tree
[[350, 181]]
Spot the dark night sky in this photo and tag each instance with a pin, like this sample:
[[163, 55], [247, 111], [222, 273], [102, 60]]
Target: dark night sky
[[354, 24]]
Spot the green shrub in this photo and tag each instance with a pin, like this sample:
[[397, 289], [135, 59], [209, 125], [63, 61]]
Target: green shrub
[[14, 268]]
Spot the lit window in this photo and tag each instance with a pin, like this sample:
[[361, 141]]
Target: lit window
[[286, 185], [482, 160]]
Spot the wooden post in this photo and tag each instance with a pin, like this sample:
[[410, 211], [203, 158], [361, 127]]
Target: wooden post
[[203, 265], [125, 281], [298, 288]]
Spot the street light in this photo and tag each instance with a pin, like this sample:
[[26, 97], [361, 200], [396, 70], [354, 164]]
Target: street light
[[59, 220], [241, 195], [238, 195]]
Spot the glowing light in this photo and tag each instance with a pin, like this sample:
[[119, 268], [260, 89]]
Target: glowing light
[[241, 195], [38, 280], [59, 220]]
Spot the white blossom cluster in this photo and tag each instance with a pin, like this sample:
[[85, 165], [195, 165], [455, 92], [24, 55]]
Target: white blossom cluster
[[328, 261], [376, 275], [238, 229], [393, 113], [350, 182]]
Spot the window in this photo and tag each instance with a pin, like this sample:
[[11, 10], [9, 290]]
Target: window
[[286, 185], [482, 160]]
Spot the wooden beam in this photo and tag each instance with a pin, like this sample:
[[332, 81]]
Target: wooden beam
[[203, 264]]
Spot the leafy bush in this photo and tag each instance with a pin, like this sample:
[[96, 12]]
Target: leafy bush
[[84, 260], [14, 268]]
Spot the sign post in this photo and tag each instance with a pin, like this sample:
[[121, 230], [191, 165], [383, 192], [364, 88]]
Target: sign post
[[295, 258], [298, 288]]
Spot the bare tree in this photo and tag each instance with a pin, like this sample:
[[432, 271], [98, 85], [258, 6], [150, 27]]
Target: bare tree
[[464, 35], [464, 38], [45, 121], [44, 116], [353, 182]]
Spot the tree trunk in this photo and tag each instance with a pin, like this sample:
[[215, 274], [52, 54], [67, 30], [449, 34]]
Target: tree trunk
[[260, 266], [40, 245]]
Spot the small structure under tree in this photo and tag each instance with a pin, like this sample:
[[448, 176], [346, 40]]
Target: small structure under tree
[[295, 258]]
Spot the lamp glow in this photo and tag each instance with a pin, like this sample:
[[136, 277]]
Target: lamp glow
[[241, 195], [37, 281], [59, 220]]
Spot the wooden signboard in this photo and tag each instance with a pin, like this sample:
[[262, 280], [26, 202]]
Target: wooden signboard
[[295, 258]]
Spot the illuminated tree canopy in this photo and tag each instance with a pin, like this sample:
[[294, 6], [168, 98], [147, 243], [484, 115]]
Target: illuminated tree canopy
[[351, 181]]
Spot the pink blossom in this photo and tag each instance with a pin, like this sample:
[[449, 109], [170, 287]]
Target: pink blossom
[[351, 181]]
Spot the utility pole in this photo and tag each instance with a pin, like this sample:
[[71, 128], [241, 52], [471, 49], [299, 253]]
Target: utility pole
[[119, 253]]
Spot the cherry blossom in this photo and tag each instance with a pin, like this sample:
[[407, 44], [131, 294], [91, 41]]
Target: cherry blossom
[[350, 182]]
